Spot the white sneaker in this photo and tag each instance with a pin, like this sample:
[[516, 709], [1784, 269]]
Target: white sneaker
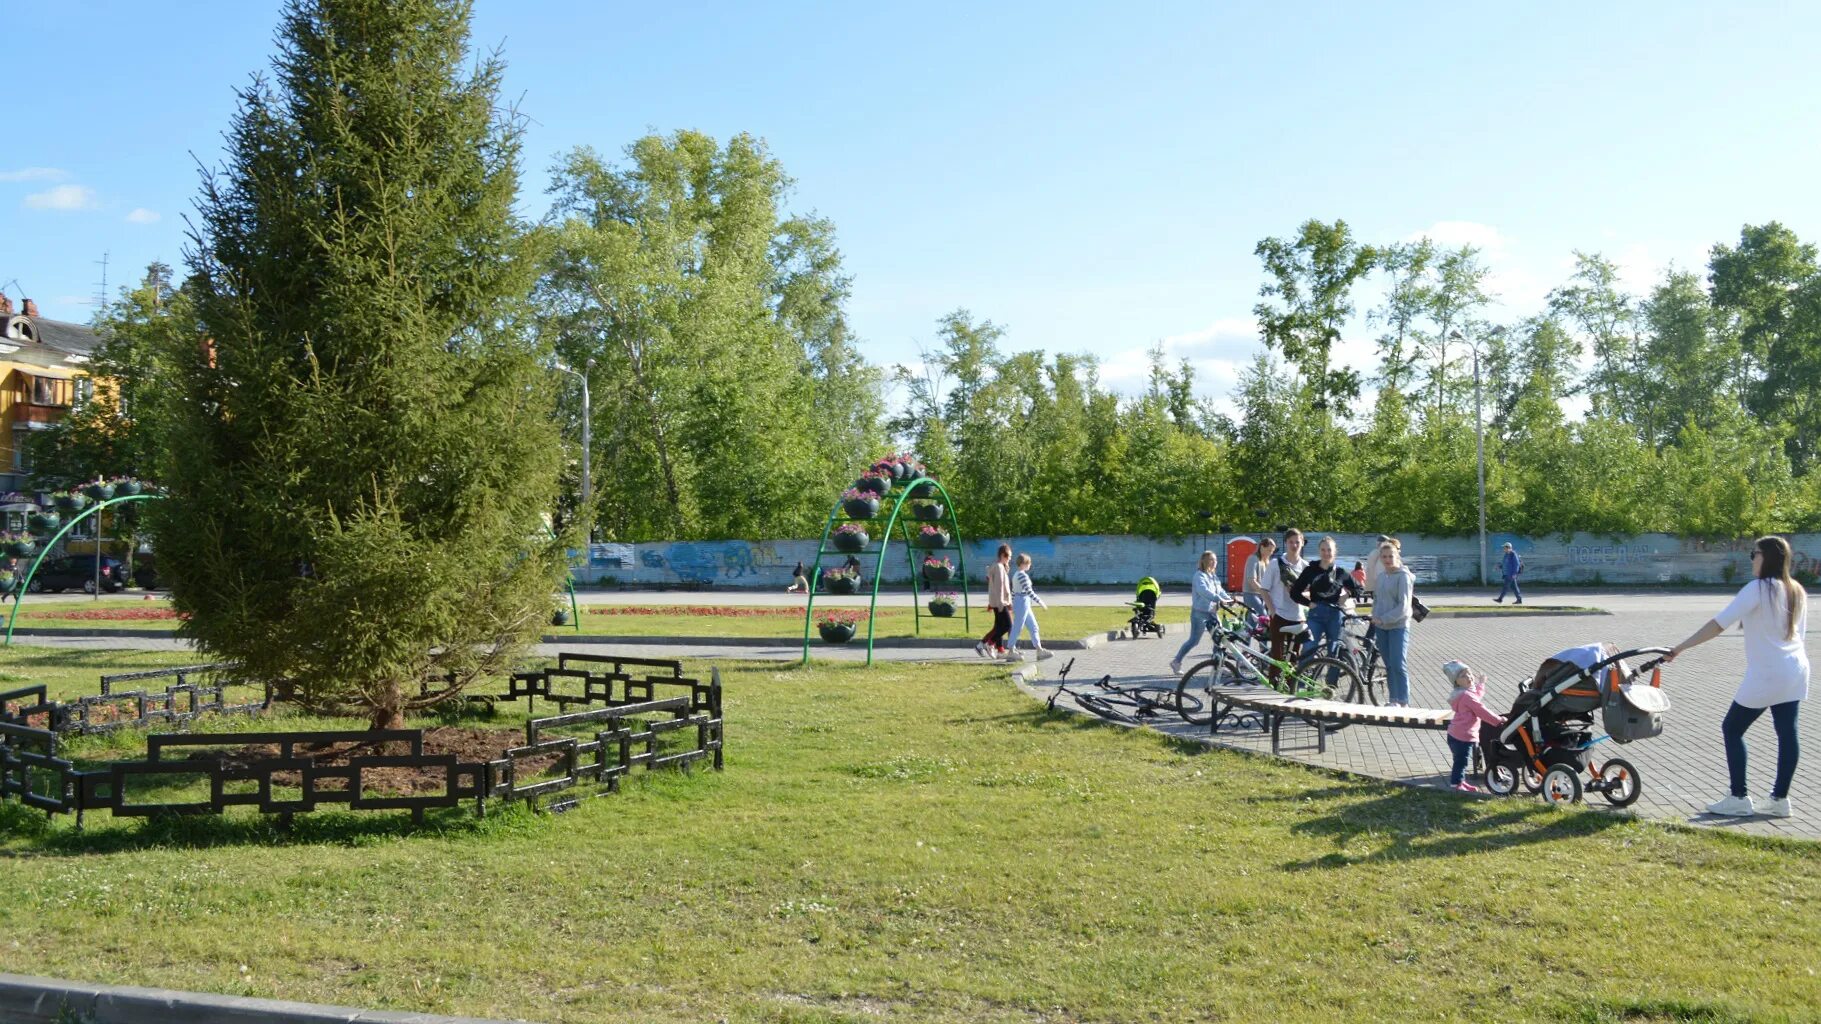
[[1733, 807], [980, 648], [1176, 666], [1777, 807]]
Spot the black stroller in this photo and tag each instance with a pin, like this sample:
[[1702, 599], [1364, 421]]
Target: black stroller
[[1144, 610], [1548, 738]]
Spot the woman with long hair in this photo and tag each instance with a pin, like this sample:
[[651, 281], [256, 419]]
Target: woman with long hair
[[1204, 607], [1253, 593], [1391, 608], [1772, 611]]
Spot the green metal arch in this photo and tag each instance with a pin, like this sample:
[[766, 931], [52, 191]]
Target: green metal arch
[[25, 584], [898, 497]]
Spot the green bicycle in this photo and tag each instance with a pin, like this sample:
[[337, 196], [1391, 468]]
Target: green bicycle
[[1239, 659]]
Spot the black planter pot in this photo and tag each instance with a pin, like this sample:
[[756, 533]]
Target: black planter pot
[[98, 492], [835, 632], [127, 488], [559, 617], [942, 609], [22, 548], [938, 540], [922, 488], [936, 575], [840, 585], [860, 508], [45, 523], [69, 502], [896, 469], [931, 513], [877, 484], [852, 543]]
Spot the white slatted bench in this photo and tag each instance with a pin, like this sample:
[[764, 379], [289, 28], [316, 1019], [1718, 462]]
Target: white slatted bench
[[1273, 707]]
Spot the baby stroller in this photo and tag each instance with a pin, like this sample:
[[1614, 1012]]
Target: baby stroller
[[1548, 738], [1144, 609]]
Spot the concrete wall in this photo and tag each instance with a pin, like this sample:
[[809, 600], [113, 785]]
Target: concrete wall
[[1121, 560]]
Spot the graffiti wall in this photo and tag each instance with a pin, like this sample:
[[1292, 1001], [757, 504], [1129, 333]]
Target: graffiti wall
[[1121, 560]]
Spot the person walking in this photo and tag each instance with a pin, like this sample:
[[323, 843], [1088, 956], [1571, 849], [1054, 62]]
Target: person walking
[[1279, 576], [1204, 606], [999, 602], [1772, 611], [1510, 565], [1253, 590], [1023, 617], [799, 580], [1321, 587], [1395, 590]]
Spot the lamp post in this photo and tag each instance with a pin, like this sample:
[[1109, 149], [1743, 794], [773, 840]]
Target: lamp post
[[1479, 445], [587, 439]]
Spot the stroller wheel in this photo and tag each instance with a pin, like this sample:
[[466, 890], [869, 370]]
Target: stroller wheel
[[1533, 779], [1160, 631], [1561, 785], [1502, 779], [1619, 783]]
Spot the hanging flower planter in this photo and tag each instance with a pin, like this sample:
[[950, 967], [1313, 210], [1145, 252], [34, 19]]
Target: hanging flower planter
[[841, 581], [851, 538], [43, 523], [9, 581], [942, 606], [938, 570], [878, 483], [928, 511], [19, 545], [98, 490], [922, 487], [932, 537], [559, 616], [126, 487], [69, 501], [860, 503], [837, 626]]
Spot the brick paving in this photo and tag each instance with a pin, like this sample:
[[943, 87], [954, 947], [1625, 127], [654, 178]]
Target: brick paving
[[1682, 770]]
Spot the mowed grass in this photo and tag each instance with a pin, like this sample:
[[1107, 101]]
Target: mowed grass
[[922, 843]]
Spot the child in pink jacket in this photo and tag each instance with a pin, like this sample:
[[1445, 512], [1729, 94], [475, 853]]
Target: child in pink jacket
[[1469, 703]]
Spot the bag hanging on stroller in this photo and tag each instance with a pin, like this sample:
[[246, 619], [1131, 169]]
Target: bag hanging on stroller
[[1633, 711]]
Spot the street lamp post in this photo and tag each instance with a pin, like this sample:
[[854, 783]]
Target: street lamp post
[[587, 439], [1479, 445]]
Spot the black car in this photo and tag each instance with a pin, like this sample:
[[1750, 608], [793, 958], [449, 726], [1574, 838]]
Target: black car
[[77, 572]]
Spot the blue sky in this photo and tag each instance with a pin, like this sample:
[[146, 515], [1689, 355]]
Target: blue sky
[[1092, 177]]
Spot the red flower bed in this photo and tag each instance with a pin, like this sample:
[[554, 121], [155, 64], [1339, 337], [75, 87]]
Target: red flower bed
[[705, 611], [107, 614]]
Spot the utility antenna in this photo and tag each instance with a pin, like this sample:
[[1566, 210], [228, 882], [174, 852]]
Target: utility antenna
[[101, 295]]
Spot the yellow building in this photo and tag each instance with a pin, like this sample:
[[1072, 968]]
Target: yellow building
[[42, 377]]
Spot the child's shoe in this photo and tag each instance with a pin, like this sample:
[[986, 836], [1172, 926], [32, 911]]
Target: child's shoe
[[1466, 787]]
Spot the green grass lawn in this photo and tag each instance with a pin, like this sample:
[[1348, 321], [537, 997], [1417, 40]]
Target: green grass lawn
[[915, 843]]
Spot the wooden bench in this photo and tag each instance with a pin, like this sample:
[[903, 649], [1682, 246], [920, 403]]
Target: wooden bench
[[1273, 707]]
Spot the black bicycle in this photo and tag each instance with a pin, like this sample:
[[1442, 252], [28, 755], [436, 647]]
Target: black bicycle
[[1238, 658], [1131, 705], [1357, 647]]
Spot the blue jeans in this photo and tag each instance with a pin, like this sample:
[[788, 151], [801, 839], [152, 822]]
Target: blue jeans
[[1461, 749], [1789, 749], [1510, 583], [1394, 649], [1199, 624], [1324, 627]]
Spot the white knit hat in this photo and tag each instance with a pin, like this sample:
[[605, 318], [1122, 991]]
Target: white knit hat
[[1453, 671]]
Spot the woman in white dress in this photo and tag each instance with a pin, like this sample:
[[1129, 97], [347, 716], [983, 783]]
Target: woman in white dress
[[1773, 612]]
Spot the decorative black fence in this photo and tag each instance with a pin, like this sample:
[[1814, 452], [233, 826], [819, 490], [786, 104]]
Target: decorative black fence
[[194, 691], [662, 719]]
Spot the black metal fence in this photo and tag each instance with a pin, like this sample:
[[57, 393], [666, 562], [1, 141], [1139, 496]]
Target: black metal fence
[[194, 691], [659, 719]]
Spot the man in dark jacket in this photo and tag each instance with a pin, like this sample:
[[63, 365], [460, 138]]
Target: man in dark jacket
[[1509, 567]]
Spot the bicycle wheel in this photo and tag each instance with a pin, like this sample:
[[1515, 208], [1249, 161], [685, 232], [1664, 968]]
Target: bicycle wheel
[[1192, 699], [1157, 702], [1104, 707], [1323, 678]]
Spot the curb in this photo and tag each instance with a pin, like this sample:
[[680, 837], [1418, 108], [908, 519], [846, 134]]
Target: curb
[[900, 643], [32, 1000]]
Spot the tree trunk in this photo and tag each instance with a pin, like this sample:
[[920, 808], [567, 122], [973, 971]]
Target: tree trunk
[[387, 710]]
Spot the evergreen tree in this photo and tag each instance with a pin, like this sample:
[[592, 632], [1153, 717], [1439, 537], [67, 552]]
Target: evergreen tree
[[361, 457]]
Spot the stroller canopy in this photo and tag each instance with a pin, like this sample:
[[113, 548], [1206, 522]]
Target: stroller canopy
[[1148, 591]]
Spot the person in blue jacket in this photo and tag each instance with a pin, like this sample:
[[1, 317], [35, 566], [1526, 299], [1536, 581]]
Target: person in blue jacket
[[1509, 567], [1206, 595]]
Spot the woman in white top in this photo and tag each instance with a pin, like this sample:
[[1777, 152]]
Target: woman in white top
[[1773, 612]]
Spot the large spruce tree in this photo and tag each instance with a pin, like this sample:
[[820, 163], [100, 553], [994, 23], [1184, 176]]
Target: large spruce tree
[[361, 456]]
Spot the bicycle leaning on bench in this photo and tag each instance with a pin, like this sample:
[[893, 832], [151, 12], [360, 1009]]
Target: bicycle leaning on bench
[[1130, 705], [1237, 660]]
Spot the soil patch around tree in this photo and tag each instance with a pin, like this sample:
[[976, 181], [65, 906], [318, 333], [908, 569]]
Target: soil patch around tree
[[469, 745]]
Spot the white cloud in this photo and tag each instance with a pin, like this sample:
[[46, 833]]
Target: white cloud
[[141, 215], [1456, 233], [34, 174], [63, 197]]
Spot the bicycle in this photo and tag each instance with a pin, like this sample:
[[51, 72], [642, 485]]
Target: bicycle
[[1131, 705], [1358, 649], [1236, 660]]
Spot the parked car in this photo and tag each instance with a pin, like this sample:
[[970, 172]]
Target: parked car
[[78, 572]]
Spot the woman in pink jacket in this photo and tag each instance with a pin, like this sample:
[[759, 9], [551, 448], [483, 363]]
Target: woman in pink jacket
[[999, 602], [1469, 703]]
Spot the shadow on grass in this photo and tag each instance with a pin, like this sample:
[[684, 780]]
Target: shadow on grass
[[1408, 823], [1653, 1011], [32, 834]]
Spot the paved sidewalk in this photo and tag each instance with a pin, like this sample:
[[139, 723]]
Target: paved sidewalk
[[1682, 770]]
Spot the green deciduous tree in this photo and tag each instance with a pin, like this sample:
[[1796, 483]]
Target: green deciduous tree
[[1309, 299], [360, 460]]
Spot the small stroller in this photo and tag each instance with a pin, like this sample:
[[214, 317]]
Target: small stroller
[[1548, 738], [1144, 609]]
